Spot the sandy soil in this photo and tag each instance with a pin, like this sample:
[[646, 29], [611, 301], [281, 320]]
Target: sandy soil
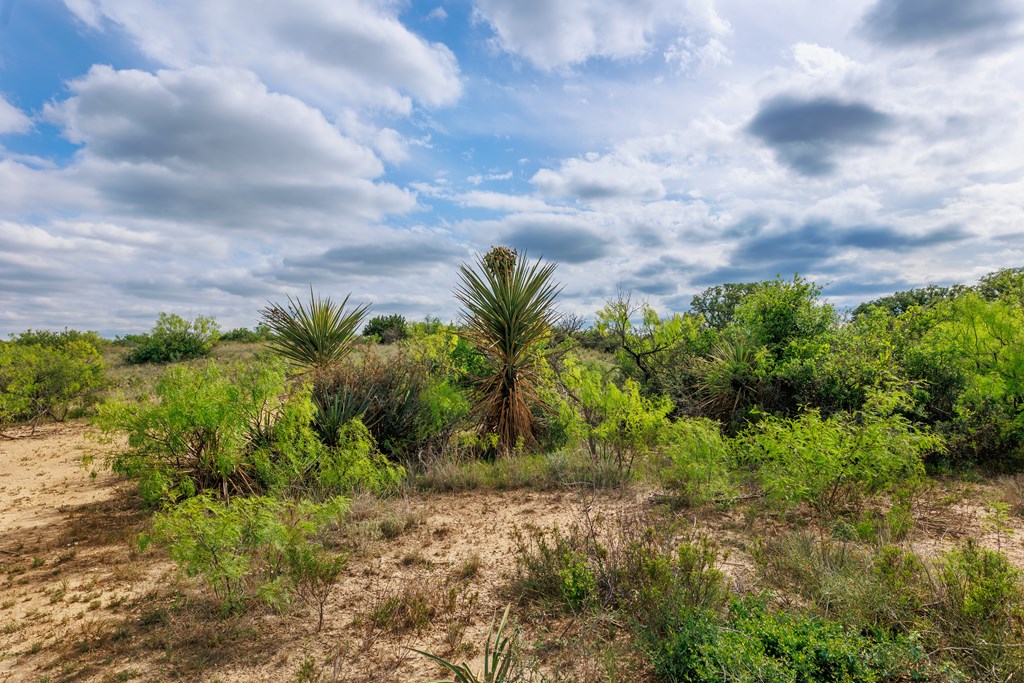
[[79, 602]]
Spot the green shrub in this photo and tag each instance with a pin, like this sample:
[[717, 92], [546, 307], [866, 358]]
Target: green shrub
[[387, 329], [239, 433], [244, 335], [617, 425], [700, 460], [51, 340], [174, 338], [248, 547], [981, 612], [754, 643], [47, 380], [406, 408], [828, 463]]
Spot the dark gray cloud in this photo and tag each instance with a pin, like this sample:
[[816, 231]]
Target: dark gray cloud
[[558, 242], [374, 258], [973, 25], [806, 134], [814, 245]]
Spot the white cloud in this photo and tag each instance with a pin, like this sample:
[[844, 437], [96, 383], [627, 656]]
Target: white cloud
[[12, 119], [330, 52], [212, 146], [558, 34]]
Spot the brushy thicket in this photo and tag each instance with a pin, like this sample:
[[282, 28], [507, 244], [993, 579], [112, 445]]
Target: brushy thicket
[[173, 339], [48, 375]]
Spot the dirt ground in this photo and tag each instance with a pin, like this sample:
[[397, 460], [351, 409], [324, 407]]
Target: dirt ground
[[79, 602]]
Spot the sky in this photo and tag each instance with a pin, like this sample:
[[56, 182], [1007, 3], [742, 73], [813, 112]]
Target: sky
[[204, 157]]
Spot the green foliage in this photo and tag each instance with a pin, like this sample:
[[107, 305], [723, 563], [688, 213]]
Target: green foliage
[[655, 351], [255, 547], [405, 405], [700, 461], [509, 311], [244, 335], [47, 378], [616, 424], [314, 335], [239, 433], [783, 315], [831, 462], [50, 339], [717, 305], [978, 344], [1005, 285], [388, 329], [900, 302], [981, 612], [174, 338], [755, 643]]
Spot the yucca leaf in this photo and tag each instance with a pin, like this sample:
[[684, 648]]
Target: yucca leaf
[[313, 335]]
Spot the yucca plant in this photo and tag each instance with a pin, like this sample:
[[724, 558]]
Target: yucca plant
[[314, 335], [509, 310], [500, 662]]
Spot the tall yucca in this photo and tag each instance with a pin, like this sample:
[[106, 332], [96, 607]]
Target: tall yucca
[[509, 309], [314, 335]]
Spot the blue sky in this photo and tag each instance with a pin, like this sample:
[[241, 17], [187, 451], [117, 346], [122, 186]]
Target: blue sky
[[205, 156]]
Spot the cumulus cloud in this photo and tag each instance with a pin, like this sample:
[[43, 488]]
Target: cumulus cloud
[[328, 51], [977, 25], [807, 134], [12, 119], [213, 146], [557, 34], [594, 177]]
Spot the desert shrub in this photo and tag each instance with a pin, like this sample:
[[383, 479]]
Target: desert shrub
[[699, 462], [237, 433], [635, 566], [51, 339], [48, 380], [965, 606], [754, 643], [978, 343], [617, 425], [174, 338], [405, 407], [980, 613], [387, 329], [245, 335], [783, 315], [831, 462], [249, 547]]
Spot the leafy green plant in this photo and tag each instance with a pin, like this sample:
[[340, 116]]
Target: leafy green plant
[[700, 460], [314, 335], [754, 643], [47, 380], [508, 312], [174, 338], [245, 335], [245, 547], [501, 663], [387, 329], [616, 424], [831, 462]]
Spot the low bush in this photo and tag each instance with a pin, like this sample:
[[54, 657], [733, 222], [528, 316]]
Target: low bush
[[386, 329], [251, 547], [51, 377], [699, 462], [245, 335], [967, 606], [238, 433], [753, 643], [829, 463], [174, 338]]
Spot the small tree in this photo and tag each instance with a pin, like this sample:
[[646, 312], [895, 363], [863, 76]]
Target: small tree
[[509, 311], [387, 328]]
